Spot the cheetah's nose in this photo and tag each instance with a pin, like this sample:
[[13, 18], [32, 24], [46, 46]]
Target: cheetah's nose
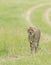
[[30, 33]]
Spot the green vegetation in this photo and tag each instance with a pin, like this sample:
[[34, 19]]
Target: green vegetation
[[13, 33]]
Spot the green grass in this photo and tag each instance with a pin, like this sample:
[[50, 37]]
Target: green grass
[[13, 33], [39, 21]]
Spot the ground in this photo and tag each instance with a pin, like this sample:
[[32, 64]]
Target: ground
[[15, 18]]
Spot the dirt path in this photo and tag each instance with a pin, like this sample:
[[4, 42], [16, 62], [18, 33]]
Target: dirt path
[[46, 38], [46, 16], [11, 58]]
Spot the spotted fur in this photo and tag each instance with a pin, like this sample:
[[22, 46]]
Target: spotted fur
[[34, 37]]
